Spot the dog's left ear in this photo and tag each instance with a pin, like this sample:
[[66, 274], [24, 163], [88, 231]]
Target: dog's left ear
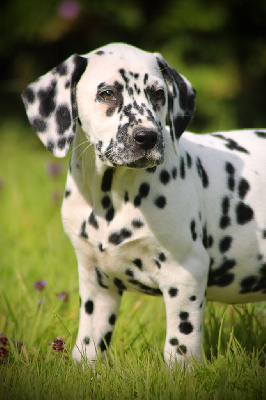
[[50, 104], [181, 99]]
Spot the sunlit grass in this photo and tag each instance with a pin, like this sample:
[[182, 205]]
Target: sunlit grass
[[39, 303]]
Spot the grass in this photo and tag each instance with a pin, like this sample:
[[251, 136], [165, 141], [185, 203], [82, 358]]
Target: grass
[[33, 248]]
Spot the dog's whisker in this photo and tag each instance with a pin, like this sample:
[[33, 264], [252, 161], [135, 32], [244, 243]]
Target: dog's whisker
[[83, 151]]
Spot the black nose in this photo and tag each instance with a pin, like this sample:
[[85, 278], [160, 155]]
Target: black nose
[[146, 139]]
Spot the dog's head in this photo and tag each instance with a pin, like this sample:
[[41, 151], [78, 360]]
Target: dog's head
[[121, 97]]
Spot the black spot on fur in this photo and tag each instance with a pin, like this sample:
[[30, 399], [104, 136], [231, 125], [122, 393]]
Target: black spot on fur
[[164, 177], [129, 272], [182, 349], [118, 237], [28, 95], [207, 240], [137, 201], [100, 278], [89, 306], [254, 283], [61, 143], [243, 188], [138, 263], [137, 223], [230, 169], [160, 201], [62, 118], [162, 257], [86, 340], [174, 173], [148, 290], [119, 284], [106, 341], [221, 276], [112, 319], [93, 221], [225, 219], [50, 146], [126, 198], [67, 193], [146, 77], [182, 168], [107, 180], [106, 202], [183, 315], [173, 291], [225, 244], [39, 125], [189, 160], [144, 189], [61, 69], [232, 145], [110, 111], [80, 66], [261, 134], [173, 341], [47, 100], [193, 298], [193, 230], [244, 213], [83, 232], [185, 327], [202, 173], [100, 53], [109, 216], [100, 247]]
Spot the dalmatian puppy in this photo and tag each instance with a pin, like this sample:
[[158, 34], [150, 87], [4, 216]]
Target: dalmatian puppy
[[146, 210]]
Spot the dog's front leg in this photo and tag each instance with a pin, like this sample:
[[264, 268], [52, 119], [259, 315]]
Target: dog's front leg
[[184, 301], [98, 312]]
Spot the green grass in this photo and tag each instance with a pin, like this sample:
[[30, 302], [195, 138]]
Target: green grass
[[34, 247]]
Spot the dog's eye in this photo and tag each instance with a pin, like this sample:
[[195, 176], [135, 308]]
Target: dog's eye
[[108, 95], [159, 94]]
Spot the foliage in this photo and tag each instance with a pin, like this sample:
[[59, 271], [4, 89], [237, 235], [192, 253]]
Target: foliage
[[219, 45], [39, 308]]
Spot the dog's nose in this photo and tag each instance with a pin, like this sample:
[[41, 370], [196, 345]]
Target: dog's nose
[[146, 139]]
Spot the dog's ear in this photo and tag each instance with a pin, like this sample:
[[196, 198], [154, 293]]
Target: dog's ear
[[50, 104], [181, 99]]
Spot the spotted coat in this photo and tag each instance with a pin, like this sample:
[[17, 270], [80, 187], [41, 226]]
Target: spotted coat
[[146, 210]]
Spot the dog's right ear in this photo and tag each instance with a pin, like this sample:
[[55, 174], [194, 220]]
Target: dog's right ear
[[181, 99], [50, 104]]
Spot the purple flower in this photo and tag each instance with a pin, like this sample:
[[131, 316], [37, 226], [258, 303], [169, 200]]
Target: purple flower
[[64, 296], [3, 355], [58, 345], [40, 285], [69, 9], [3, 340], [54, 169]]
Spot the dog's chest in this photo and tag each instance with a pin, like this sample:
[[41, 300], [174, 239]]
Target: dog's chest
[[115, 237]]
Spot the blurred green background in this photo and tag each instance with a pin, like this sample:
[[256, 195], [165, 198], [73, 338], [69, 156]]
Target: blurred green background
[[219, 45]]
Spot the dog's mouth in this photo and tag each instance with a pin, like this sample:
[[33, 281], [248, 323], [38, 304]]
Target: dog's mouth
[[134, 157], [144, 162]]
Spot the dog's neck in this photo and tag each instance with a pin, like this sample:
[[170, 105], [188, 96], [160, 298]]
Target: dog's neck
[[96, 180]]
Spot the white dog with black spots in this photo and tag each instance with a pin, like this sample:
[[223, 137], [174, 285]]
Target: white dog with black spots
[[146, 210]]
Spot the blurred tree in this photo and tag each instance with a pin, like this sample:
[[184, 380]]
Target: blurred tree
[[220, 45]]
